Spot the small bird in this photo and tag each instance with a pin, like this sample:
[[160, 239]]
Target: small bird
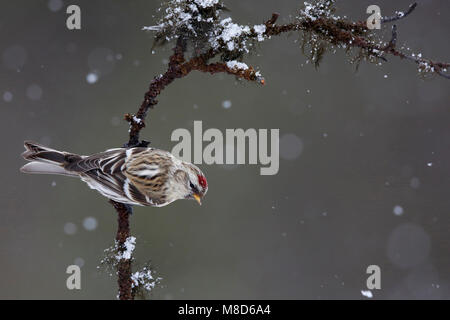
[[134, 176]]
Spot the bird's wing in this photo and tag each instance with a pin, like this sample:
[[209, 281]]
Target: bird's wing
[[114, 186], [105, 173], [108, 161]]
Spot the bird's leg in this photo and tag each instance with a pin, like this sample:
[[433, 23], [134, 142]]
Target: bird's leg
[[142, 144], [129, 208]]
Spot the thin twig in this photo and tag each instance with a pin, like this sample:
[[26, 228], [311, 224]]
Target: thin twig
[[399, 15], [353, 34], [393, 40]]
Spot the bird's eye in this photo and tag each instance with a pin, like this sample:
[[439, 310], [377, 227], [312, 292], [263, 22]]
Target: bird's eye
[[193, 187]]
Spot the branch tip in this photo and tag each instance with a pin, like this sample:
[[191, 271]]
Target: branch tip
[[400, 15]]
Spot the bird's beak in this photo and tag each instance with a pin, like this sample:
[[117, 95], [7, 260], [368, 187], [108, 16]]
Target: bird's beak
[[197, 198]]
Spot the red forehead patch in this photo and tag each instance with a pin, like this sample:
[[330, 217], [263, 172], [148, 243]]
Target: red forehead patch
[[202, 182]]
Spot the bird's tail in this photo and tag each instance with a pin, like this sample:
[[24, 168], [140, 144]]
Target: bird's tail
[[44, 160]]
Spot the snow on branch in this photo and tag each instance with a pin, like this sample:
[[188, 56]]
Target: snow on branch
[[200, 24], [118, 260]]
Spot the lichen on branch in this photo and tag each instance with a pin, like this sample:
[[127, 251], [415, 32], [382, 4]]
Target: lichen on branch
[[204, 29]]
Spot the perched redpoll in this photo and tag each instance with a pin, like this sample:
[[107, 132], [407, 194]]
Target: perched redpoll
[[136, 176]]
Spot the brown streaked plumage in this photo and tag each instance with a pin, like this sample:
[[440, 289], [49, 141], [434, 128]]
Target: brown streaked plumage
[[136, 176]]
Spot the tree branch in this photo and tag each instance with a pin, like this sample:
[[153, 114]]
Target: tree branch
[[317, 20], [156, 86], [124, 265]]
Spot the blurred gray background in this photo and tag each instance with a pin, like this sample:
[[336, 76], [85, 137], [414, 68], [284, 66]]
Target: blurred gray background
[[364, 168]]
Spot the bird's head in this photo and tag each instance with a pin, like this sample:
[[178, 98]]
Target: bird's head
[[198, 185], [193, 182]]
